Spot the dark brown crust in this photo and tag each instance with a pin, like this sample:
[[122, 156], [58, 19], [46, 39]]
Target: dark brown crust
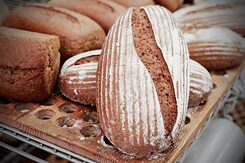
[[87, 60], [105, 12], [152, 58], [77, 33], [29, 71]]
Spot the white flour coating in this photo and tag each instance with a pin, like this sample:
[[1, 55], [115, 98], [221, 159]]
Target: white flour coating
[[200, 79], [219, 35], [77, 57], [126, 89], [174, 50]]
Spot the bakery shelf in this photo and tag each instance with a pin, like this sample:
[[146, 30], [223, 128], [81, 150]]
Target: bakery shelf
[[224, 105]]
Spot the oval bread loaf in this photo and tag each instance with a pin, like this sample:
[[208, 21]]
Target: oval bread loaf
[[143, 81], [29, 64], [201, 84], [215, 48], [172, 5], [78, 77], [135, 3], [227, 14], [77, 33], [104, 12]]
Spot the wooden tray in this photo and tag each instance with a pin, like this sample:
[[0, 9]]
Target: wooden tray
[[76, 128]]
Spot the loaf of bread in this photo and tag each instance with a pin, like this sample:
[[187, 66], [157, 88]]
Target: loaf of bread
[[201, 84], [77, 33], [135, 3], [219, 1], [78, 77], [143, 81], [172, 5], [4, 10], [104, 12], [216, 48], [225, 14], [29, 64]]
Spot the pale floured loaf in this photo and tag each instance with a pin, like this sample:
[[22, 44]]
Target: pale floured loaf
[[172, 5], [78, 77], [225, 14], [201, 84], [104, 12], [134, 3], [77, 32], [29, 64], [143, 81], [216, 48]]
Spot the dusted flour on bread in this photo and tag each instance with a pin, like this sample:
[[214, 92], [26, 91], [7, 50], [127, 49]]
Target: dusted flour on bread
[[216, 48], [132, 114], [78, 77], [225, 14], [201, 84]]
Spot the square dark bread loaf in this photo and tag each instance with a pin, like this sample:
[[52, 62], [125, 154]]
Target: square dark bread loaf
[[29, 64], [143, 81]]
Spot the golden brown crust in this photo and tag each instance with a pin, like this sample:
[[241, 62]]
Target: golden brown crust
[[77, 33], [172, 5], [104, 12], [135, 3]]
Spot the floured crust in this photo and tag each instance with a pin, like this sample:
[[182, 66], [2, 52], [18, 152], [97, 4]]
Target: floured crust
[[78, 77], [104, 12], [216, 48], [201, 84], [127, 99], [225, 14], [77, 33], [29, 64]]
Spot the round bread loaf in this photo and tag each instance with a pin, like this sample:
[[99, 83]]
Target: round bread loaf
[[29, 64], [215, 48], [4, 10], [104, 12], [201, 84], [77, 33], [78, 77], [135, 3], [143, 81], [172, 5]]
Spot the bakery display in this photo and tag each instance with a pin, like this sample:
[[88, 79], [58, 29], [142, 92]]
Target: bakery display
[[4, 10], [78, 77], [225, 14], [216, 48], [135, 3], [29, 64], [143, 82], [104, 12], [201, 84], [77, 33], [172, 5]]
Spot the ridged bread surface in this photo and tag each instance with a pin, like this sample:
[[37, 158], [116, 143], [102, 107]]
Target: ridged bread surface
[[214, 47], [127, 99], [201, 84], [78, 81]]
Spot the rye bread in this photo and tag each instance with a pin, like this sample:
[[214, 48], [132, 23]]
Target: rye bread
[[77, 33], [104, 12], [215, 48], [201, 84], [143, 81], [29, 64], [224, 14], [135, 3], [171, 5], [77, 79]]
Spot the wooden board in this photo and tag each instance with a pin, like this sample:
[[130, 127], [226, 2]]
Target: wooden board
[[76, 127]]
